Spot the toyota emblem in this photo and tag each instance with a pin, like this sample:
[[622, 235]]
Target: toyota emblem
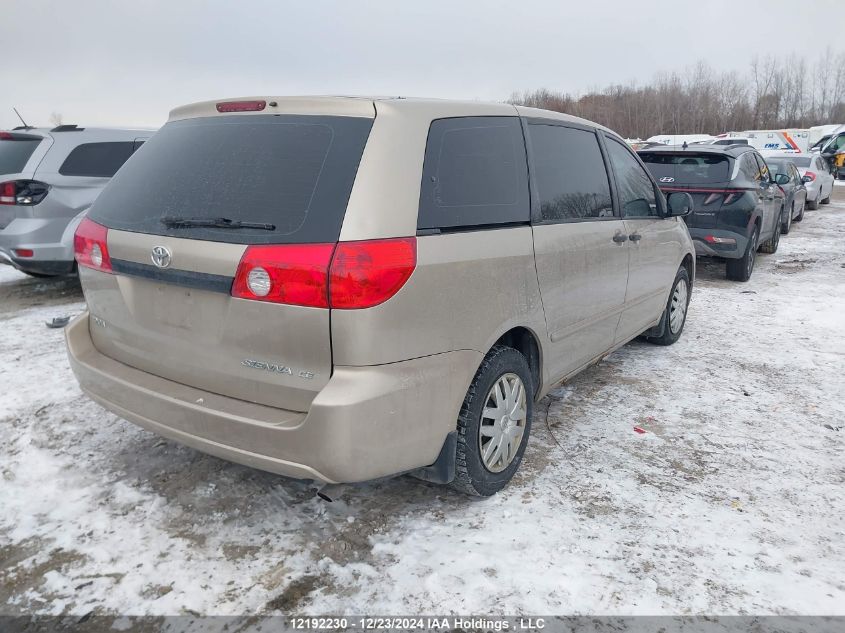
[[161, 256]]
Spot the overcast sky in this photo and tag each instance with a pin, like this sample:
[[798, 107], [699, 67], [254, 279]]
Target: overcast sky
[[129, 63]]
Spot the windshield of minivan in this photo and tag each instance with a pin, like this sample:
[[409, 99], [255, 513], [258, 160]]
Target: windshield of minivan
[[688, 167], [291, 172], [14, 154]]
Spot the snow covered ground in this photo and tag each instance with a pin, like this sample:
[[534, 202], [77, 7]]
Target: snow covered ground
[[732, 502]]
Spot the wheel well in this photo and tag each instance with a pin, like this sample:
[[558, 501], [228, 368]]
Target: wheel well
[[524, 341]]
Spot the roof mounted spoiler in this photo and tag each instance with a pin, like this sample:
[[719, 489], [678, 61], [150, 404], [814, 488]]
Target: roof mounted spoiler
[[70, 127]]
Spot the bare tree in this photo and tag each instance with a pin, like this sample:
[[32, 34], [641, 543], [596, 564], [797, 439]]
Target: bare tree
[[776, 92]]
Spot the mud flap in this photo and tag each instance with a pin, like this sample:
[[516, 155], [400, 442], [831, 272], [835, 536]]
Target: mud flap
[[442, 471], [657, 330]]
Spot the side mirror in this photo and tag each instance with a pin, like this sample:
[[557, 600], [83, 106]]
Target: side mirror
[[678, 204], [782, 179], [806, 179]]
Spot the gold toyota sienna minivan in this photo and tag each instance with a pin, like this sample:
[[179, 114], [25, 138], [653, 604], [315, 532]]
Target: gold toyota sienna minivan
[[341, 289]]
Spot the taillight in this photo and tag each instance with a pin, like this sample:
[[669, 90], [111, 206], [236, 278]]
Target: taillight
[[241, 106], [712, 198], [346, 276], [365, 274], [90, 246], [295, 274], [23, 192], [811, 175], [7, 192]]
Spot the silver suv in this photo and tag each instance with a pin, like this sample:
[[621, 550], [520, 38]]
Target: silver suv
[[341, 289], [48, 177]]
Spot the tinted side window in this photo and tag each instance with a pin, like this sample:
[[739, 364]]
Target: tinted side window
[[474, 173], [636, 190], [761, 165], [749, 168], [96, 159], [569, 173]]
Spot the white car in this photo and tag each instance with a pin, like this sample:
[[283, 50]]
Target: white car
[[815, 173]]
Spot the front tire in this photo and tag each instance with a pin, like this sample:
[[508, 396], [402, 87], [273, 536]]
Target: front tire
[[675, 315], [826, 200], [770, 246], [494, 423], [800, 216], [741, 269], [786, 225]]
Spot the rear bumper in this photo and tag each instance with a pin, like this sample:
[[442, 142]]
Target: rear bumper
[[728, 251], [368, 422], [52, 251]]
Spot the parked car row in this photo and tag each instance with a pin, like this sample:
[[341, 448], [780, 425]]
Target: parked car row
[[342, 289], [743, 201]]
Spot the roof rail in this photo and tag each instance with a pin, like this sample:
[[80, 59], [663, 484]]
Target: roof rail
[[69, 127]]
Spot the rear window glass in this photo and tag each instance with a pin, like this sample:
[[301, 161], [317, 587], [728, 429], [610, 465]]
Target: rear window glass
[[800, 161], [688, 167], [474, 173], [15, 153], [294, 172], [97, 160]]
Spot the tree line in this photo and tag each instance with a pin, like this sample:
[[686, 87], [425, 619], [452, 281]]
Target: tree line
[[775, 92]]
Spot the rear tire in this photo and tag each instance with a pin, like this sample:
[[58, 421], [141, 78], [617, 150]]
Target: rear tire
[[675, 314], [484, 420], [814, 204], [741, 269], [770, 246]]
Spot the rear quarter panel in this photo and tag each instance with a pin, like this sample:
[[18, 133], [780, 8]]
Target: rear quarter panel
[[466, 291]]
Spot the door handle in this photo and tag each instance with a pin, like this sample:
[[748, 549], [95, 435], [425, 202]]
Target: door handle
[[619, 238], [635, 237]]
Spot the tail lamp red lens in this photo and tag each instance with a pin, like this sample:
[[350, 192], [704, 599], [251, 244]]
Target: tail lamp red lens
[[8, 192], [90, 246], [241, 106], [348, 275], [295, 274], [365, 274]]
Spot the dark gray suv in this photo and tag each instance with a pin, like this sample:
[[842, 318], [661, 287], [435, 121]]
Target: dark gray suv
[[737, 206]]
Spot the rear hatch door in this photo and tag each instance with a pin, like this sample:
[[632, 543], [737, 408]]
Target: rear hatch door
[[705, 176], [168, 308]]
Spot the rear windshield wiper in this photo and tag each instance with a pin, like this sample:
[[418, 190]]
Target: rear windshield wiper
[[214, 223]]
